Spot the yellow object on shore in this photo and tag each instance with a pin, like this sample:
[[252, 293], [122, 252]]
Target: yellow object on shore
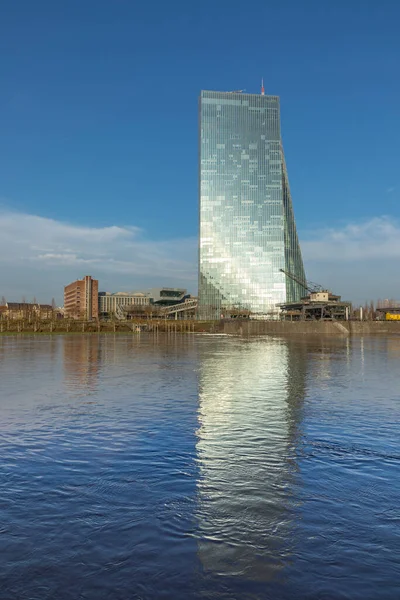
[[392, 316]]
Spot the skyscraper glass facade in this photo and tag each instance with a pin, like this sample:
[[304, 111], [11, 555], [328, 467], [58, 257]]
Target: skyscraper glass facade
[[247, 226]]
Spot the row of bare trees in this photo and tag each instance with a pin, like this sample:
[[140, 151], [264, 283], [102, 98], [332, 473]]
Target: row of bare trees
[[146, 311], [369, 312]]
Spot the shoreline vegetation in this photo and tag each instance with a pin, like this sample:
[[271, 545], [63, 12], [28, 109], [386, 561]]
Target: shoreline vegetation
[[62, 327]]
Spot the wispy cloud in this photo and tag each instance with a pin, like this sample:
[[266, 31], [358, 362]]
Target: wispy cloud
[[358, 260], [376, 238], [39, 256]]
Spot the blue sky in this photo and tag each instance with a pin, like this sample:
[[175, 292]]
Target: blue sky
[[98, 121]]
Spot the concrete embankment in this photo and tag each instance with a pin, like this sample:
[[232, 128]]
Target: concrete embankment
[[324, 328]]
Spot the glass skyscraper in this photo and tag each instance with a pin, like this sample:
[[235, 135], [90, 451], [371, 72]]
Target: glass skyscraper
[[247, 227]]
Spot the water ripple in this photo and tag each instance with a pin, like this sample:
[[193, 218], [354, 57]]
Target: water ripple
[[198, 467]]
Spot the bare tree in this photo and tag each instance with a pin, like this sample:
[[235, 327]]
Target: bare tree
[[151, 311], [372, 313], [366, 312]]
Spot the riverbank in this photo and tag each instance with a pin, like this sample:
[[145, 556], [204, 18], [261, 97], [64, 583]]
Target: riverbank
[[319, 328], [62, 327], [238, 327]]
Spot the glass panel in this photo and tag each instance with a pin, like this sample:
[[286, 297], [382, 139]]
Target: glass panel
[[247, 227]]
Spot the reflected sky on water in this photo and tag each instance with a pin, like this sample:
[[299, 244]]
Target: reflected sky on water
[[199, 466]]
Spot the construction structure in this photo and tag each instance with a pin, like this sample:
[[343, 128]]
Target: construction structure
[[81, 299], [318, 305], [183, 310]]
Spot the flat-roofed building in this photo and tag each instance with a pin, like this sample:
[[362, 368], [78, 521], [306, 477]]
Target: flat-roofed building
[[164, 296], [81, 299], [110, 303]]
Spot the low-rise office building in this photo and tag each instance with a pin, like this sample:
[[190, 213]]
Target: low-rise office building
[[132, 302], [110, 303]]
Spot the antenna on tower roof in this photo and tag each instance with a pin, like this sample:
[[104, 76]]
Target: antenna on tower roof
[[262, 87]]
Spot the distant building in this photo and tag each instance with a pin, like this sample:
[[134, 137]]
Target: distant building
[[113, 304], [45, 311], [167, 296], [81, 299], [26, 310], [109, 303]]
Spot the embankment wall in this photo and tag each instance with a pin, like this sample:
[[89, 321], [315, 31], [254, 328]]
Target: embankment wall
[[326, 328]]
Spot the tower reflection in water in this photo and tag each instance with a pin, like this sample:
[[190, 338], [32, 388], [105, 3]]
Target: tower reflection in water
[[251, 396]]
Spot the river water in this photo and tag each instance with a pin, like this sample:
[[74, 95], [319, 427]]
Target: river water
[[191, 466]]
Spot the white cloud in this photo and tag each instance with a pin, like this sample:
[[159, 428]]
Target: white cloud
[[373, 239], [359, 260], [38, 256]]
